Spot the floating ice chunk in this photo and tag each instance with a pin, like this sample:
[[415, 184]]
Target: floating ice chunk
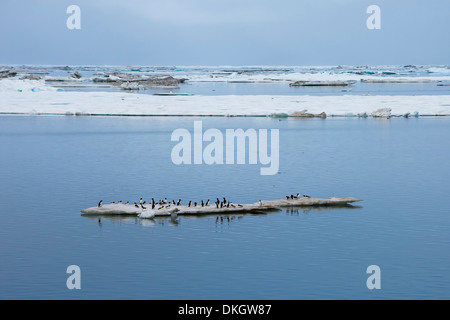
[[130, 86], [439, 70], [23, 85], [305, 114], [382, 113], [147, 214]]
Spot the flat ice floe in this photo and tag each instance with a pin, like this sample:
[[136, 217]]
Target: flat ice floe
[[52, 102], [19, 86], [167, 210]]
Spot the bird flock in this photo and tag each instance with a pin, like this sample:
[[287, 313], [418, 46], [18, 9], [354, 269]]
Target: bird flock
[[161, 204], [165, 204]]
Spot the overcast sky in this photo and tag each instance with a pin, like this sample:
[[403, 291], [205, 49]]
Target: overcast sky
[[224, 32]]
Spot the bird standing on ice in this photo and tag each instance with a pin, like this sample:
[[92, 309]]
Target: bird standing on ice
[[100, 203]]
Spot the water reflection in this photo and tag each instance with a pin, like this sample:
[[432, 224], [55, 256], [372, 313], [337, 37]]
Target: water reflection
[[295, 211], [175, 220]]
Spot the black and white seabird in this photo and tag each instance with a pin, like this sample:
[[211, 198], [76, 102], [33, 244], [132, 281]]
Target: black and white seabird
[[224, 200], [179, 202], [120, 202], [142, 206], [260, 202], [189, 205], [100, 203], [305, 196], [203, 204], [195, 204], [207, 203], [136, 205], [140, 201]]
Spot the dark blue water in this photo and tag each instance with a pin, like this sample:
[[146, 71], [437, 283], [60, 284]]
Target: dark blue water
[[52, 167]]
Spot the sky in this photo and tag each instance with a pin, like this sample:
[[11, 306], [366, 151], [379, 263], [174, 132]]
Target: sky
[[225, 32]]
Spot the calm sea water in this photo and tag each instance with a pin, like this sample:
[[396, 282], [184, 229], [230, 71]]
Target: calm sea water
[[52, 167]]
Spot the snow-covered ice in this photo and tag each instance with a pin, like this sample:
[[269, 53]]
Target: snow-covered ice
[[118, 103]]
